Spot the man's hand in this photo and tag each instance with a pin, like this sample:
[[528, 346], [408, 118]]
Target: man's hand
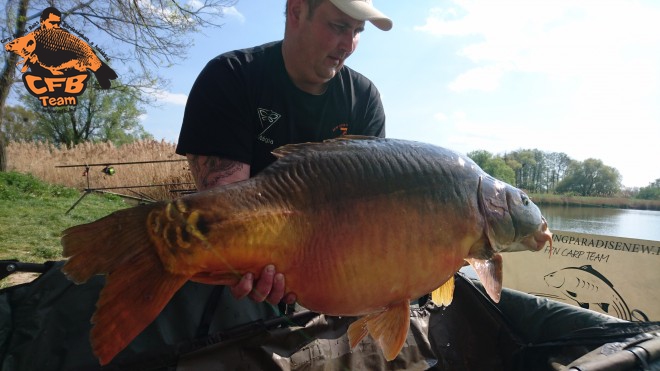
[[269, 287]]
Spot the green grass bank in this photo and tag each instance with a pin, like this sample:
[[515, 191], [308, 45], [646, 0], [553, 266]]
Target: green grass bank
[[32, 216]]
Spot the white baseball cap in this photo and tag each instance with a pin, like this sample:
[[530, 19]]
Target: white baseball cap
[[363, 10]]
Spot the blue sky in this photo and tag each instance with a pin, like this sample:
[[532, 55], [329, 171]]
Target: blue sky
[[575, 76]]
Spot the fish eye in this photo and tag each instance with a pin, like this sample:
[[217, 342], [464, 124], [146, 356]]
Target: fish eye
[[524, 199]]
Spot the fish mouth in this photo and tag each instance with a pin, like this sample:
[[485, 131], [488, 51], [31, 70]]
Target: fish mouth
[[542, 236]]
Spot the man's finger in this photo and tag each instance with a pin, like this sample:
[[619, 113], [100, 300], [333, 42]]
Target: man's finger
[[263, 285], [277, 292], [243, 287], [289, 298]]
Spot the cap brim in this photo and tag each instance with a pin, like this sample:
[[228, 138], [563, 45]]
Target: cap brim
[[363, 11]]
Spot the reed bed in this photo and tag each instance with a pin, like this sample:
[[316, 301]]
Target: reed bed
[[150, 181], [613, 202]]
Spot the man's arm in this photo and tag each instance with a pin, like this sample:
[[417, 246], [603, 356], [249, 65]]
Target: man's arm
[[211, 171]]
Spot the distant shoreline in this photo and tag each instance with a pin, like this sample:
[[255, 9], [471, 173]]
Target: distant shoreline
[[606, 202]]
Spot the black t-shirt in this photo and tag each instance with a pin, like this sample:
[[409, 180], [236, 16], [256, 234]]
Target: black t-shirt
[[243, 105]]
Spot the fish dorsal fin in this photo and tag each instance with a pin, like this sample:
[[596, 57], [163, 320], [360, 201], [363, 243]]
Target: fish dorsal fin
[[444, 294], [351, 137], [288, 149], [490, 274], [589, 269], [388, 328]]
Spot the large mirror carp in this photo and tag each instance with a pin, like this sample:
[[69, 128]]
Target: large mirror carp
[[358, 226]]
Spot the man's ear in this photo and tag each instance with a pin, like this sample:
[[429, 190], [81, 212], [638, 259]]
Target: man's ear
[[294, 10]]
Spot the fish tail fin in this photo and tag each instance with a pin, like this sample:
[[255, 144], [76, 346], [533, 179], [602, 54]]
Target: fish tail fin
[[102, 246], [119, 246], [388, 328], [444, 294], [125, 308], [104, 74]]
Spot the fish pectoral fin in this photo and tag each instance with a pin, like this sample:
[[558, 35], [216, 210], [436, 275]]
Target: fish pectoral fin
[[388, 328], [444, 294], [490, 274]]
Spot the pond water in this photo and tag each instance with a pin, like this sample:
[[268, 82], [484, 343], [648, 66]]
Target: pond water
[[639, 224]]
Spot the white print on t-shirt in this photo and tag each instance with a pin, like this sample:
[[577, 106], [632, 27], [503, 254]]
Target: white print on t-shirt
[[267, 118]]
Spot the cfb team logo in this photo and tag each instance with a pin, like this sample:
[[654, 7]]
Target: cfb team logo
[[58, 61]]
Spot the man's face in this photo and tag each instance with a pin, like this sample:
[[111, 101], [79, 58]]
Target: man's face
[[325, 41], [52, 21]]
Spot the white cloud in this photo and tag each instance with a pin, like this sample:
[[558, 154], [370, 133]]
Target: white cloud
[[559, 38], [480, 78], [163, 96], [232, 12], [439, 116]]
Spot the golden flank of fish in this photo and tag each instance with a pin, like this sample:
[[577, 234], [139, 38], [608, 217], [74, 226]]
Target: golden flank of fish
[[359, 226]]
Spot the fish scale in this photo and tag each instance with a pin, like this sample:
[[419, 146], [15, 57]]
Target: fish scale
[[358, 226], [56, 46]]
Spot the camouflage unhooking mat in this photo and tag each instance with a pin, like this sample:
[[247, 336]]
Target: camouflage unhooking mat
[[44, 325]]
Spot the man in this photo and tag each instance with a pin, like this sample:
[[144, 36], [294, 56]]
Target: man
[[246, 103], [50, 18]]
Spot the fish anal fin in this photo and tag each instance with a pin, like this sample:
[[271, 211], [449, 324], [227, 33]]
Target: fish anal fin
[[357, 331], [125, 308], [388, 328], [219, 278], [490, 274], [444, 294]]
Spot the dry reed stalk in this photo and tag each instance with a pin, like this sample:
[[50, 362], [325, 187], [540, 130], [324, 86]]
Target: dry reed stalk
[[41, 159]]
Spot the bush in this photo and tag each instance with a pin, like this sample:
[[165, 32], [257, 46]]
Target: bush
[[649, 193], [14, 185]]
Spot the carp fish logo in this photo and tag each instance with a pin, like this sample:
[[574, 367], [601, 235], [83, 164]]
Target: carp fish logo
[[587, 287], [59, 62]]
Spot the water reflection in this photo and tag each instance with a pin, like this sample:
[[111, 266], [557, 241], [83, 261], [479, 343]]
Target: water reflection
[[640, 224]]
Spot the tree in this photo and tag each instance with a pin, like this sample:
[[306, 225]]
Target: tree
[[480, 157], [556, 165], [19, 124], [500, 170], [590, 178], [525, 162], [100, 115], [18, 25], [146, 34], [494, 166], [652, 192]]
